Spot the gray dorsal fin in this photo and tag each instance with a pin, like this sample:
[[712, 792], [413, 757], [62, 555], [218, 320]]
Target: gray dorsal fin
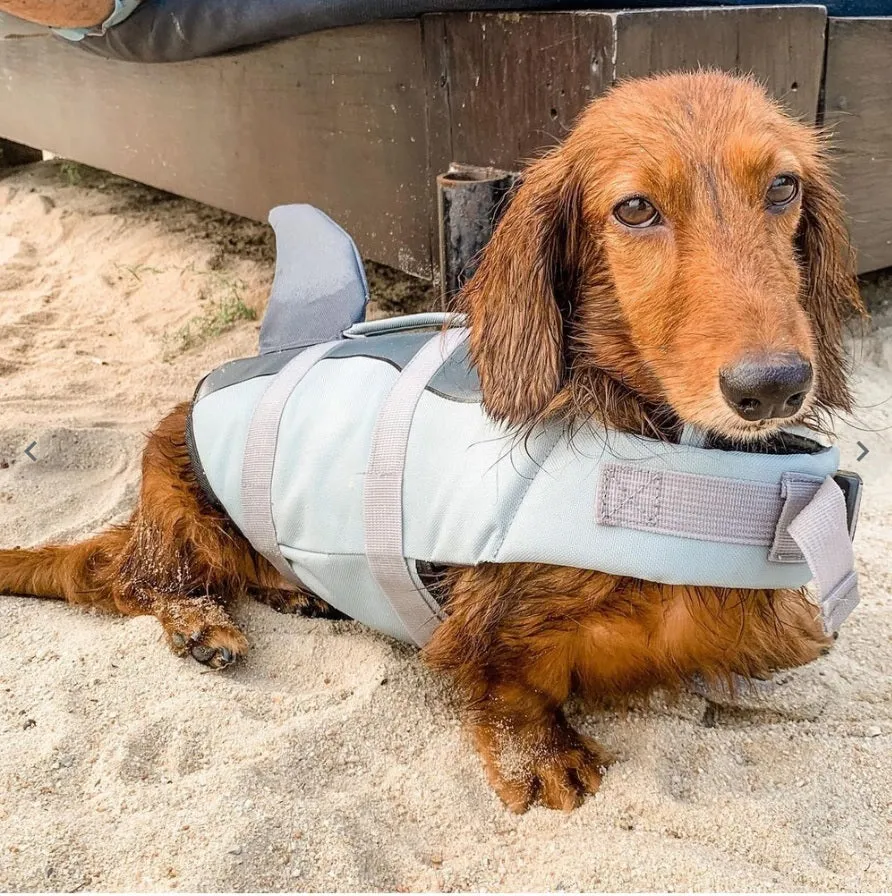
[[319, 288]]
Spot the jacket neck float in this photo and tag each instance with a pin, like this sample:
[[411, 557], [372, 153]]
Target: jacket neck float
[[351, 461]]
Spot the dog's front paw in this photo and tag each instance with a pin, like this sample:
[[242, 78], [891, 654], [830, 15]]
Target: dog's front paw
[[213, 646], [201, 628], [551, 763]]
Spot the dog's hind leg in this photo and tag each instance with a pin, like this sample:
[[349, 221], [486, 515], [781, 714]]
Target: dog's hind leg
[[116, 571], [176, 558], [185, 563], [78, 573], [166, 573]]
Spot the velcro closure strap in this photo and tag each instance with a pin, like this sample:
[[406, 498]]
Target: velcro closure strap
[[822, 533], [689, 505], [801, 519]]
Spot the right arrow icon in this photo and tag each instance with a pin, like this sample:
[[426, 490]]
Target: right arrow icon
[[864, 451]]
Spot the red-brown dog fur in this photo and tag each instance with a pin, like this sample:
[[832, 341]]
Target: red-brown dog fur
[[571, 314]]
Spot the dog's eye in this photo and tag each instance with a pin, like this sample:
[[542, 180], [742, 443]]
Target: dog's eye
[[783, 190], [636, 212]]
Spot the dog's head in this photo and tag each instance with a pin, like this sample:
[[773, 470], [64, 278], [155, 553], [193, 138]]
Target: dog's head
[[681, 257]]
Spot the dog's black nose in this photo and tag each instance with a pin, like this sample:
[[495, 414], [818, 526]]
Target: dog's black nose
[[768, 386]]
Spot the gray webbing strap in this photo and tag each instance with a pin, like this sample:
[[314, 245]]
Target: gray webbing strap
[[802, 519], [383, 494], [797, 492], [260, 456], [732, 511], [822, 533]]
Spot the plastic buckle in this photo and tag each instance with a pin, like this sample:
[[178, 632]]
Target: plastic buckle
[[851, 485]]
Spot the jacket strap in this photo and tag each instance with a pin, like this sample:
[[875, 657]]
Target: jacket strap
[[260, 457], [823, 536], [801, 519], [708, 508], [383, 493], [822, 533]]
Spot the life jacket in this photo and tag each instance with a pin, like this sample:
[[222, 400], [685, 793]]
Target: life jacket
[[354, 456]]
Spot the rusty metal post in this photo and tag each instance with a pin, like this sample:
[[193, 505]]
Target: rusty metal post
[[469, 201]]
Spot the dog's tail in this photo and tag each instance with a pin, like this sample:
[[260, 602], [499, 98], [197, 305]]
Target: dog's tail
[[83, 573]]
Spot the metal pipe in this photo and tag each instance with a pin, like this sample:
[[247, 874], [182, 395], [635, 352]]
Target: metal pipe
[[469, 202]]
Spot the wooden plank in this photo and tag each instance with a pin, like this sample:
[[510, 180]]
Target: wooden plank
[[438, 123], [336, 119], [858, 112], [516, 81], [505, 87], [782, 46], [359, 121]]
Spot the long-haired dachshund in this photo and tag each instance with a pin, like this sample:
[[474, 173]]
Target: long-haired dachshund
[[680, 258]]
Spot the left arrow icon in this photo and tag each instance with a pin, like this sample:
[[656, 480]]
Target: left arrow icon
[[28, 451]]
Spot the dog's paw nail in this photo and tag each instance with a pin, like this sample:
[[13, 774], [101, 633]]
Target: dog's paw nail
[[195, 636], [214, 657], [177, 640], [203, 654], [222, 659]]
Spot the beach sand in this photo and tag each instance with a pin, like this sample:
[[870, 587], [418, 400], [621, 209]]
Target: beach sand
[[330, 759]]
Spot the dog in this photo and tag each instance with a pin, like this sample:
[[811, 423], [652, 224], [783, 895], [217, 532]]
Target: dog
[[681, 258]]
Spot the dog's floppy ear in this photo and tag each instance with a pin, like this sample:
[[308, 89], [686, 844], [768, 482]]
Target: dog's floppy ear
[[514, 300], [830, 289]]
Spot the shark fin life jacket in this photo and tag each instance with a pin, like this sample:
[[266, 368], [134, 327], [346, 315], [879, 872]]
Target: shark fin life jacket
[[354, 456]]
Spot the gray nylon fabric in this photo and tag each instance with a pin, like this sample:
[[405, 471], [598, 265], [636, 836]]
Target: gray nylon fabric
[[692, 435], [451, 380], [838, 605], [423, 321], [797, 492], [383, 494]]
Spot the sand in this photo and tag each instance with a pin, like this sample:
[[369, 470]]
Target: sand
[[330, 759]]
